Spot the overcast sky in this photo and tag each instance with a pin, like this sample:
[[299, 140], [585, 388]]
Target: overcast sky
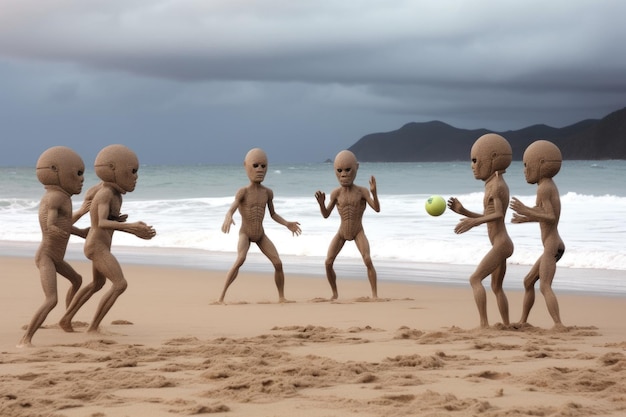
[[203, 81]]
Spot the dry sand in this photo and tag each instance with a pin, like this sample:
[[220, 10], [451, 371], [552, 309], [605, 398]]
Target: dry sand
[[165, 349]]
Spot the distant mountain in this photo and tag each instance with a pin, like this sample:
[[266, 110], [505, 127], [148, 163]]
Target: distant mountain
[[438, 141]]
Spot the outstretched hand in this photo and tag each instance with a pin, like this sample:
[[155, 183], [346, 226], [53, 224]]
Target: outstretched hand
[[464, 225], [518, 218], [320, 197], [521, 211], [373, 185], [455, 205], [143, 231], [294, 227], [517, 206]]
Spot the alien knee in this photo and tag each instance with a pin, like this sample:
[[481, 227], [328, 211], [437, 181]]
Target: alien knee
[[545, 288], [51, 302], [475, 280], [121, 286]]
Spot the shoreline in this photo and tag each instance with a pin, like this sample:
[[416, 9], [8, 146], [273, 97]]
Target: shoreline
[[602, 282]]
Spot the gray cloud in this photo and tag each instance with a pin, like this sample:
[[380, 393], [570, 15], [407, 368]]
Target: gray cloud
[[196, 81]]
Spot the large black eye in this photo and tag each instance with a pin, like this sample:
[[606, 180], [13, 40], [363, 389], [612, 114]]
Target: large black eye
[[80, 173], [474, 160], [348, 169], [339, 170], [263, 165], [135, 170]]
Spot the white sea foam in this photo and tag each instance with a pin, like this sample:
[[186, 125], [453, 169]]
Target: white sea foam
[[190, 216], [401, 231]]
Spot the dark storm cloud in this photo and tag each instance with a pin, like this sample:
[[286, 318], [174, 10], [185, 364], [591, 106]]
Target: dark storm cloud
[[204, 81]]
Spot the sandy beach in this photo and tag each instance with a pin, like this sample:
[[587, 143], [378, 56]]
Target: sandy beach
[[167, 349]]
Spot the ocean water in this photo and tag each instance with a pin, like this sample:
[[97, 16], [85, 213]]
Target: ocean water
[[187, 204]]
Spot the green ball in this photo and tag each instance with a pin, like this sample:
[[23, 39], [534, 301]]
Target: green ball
[[435, 205]]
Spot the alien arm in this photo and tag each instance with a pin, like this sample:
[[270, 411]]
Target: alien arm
[[139, 229], [455, 205], [294, 227], [53, 229], [373, 199], [326, 210], [80, 232], [493, 214], [543, 213], [228, 219], [496, 214]]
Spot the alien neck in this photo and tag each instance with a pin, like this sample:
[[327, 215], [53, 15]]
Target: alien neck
[[115, 187], [494, 175], [56, 188]]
